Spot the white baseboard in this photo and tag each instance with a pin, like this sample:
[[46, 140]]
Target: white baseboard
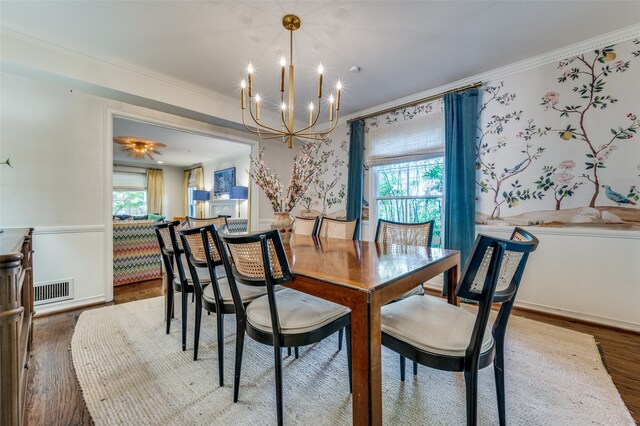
[[624, 325], [68, 305]]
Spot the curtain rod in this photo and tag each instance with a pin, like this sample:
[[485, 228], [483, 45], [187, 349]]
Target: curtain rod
[[416, 102]]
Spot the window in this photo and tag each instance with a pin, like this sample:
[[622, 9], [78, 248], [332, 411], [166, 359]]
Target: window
[[129, 193], [405, 152], [411, 192]]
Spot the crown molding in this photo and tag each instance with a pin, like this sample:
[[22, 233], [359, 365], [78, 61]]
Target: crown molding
[[614, 37], [18, 32]]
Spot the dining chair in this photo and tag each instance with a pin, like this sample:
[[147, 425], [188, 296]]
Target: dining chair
[[286, 318], [176, 266], [338, 228], [305, 225], [407, 234], [197, 222], [161, 229], [201, 249], [420, 327], [342, 229]]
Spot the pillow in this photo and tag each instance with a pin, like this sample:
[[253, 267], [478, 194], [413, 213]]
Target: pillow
[[141, 217], [154, 216]]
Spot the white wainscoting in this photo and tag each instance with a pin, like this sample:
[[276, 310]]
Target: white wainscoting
[[587, 274], [71, 251]]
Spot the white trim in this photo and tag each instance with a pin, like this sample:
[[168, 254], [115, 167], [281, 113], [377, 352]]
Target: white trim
[[613, 37], [108, 203], [624, 325], [580, 316], [76, 229], [69, 305], [168, 121], [583, 231]]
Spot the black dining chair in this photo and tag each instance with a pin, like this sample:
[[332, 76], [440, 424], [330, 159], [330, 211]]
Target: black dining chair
[[201, 248], [176, 267], [418, 327], [275, 319]]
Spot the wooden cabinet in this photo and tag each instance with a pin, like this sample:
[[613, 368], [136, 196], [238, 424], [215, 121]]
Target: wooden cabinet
[[16, 326]]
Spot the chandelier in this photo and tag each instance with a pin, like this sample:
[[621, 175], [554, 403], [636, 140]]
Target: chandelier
[[138, 148], [287, 131]]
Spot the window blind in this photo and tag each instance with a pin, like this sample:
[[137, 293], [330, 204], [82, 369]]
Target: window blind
[[414, 139], [129, 180]]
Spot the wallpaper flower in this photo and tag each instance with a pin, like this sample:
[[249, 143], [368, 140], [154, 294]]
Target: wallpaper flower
[[575, 160]]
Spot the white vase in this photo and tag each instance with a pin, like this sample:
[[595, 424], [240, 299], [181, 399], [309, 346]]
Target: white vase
[[283, 222]]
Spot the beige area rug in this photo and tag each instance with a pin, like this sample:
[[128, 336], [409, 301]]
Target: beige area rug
[[132, 373]]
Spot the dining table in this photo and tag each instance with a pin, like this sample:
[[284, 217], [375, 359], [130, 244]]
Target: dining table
[[365, 276]]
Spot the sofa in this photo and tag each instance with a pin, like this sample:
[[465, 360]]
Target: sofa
[[136, 253]]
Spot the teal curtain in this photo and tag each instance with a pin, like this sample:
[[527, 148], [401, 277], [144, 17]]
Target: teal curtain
[[355, 171], [461, 114]]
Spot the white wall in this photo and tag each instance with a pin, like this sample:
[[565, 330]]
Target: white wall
[[59, 141]]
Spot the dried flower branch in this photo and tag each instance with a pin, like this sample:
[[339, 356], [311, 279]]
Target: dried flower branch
[[305, 166]]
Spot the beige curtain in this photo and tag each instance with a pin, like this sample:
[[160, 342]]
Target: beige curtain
[[199, 185], [185, 192], [155, 191]]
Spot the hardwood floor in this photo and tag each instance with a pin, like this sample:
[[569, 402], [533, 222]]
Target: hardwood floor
[[54, 396]]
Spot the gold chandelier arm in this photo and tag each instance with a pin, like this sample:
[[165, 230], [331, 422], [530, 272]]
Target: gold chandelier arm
[[316, 135], [313, 123], [260, 133], [258, 125], [284, 124]]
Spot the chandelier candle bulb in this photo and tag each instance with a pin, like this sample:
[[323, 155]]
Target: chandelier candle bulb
[[257, 107], [310, 115], [320, 84], [283, 64]]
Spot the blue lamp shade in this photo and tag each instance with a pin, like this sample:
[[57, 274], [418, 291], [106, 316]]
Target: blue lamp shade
[[239, 193], [200, 195]]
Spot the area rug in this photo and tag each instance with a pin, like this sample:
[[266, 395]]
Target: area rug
[[132, 373]]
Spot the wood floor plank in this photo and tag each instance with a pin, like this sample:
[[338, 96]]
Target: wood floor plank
[[54, 396]]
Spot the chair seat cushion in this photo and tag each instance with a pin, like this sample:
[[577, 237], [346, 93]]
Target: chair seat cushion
[[203, 275], [247, 292], [432, 325], [298, 312]]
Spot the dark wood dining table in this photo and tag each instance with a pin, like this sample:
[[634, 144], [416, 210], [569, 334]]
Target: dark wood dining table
[[365, 276]]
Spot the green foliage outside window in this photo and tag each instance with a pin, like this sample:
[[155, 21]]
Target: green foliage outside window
[[130, 202], [412, 193]]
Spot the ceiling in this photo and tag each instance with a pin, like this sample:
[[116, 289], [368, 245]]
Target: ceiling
[[183, 148], [401, 47]]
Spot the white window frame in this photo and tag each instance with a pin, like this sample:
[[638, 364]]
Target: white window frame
[[375, 185]]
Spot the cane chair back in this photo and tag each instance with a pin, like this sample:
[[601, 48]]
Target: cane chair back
[[196, 222], [306, 225], [246, 259], [408, 234], [336, 228], [512, 262]]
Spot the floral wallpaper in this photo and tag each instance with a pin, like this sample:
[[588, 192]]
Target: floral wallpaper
[[559, 144], [327, 192]]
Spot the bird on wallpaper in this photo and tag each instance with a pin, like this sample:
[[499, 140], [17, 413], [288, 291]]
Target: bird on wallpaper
[[616, 196], [517, 166]]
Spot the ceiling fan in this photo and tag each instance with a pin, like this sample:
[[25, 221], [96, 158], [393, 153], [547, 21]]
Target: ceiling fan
[[138, 148]]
